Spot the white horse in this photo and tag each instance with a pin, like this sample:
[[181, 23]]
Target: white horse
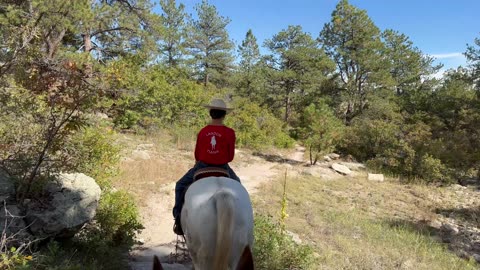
[[217, 219]]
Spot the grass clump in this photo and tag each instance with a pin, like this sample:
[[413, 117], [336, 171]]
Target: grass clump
[[274, 249]]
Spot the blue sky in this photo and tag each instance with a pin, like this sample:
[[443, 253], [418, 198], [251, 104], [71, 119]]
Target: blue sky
[[440, 28]]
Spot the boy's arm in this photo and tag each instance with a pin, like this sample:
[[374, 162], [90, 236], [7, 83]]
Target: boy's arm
[[196, 148], [231, 147]]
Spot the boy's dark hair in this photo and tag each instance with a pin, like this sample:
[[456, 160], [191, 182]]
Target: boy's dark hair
[[217, 114]]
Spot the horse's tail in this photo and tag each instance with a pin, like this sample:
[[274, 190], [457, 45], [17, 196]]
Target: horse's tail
[[224, 204]]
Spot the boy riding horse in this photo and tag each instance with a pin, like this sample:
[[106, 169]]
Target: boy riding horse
[[215, 147]]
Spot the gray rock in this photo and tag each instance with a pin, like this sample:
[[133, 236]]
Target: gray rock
[[376, 177], [100, 115], [71, 201], [294, 237], [451, 228], [140, 154], [327, 158], [476, 257], [334, 156], [341, 169]]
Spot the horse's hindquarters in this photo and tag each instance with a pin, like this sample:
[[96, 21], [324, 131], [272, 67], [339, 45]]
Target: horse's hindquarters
[[217, 207]]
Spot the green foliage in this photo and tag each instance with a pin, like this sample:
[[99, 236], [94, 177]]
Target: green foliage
[[174, 32], [352, 40], [274, 250], [296, 68], [320, 130], [255, 127], [159, 97], [94, 153], [117, 218], [77, 254], [432, 170], [473, 57], [14, 259]]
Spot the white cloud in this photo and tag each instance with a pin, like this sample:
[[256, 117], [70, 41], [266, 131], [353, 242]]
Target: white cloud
[[447, 55]]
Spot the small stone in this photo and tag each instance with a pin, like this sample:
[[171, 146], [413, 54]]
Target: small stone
[[140, 241], [137, 154], [295, 237], [376, 177], [334, 156], [476, 257], [327, 158]]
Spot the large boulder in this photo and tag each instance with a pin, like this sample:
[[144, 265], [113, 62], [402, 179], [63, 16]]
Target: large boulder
[[341, 169], [70, 202]]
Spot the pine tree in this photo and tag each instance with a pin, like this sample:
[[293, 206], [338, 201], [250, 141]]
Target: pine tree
[[173, 21], [353, 42], [297, 66], [249, 83], [210, 45]]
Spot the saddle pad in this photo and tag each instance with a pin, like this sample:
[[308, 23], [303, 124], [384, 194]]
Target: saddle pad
[[210, 171]]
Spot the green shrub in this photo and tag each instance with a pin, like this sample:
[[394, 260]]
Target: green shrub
[[94, 153], [282, 140], [14, 259], [320, 130], [117, 218], [433, 170], [256, 127], [275, 250]]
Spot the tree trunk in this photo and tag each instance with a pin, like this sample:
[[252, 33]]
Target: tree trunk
[[87, 47], [311, 155], [287, 107]]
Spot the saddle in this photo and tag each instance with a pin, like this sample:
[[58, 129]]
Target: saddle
[[210, 171]]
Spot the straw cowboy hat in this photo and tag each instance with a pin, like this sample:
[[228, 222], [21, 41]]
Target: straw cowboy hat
[[218, 104]]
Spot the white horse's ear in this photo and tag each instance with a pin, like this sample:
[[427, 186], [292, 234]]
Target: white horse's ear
[[156, 263], [246, 261]]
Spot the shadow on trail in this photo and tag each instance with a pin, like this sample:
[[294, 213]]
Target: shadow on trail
[[277, 159]]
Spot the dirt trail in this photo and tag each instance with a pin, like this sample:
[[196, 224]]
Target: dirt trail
[[158, 236]]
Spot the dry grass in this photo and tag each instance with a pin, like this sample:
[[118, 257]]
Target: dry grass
[[143, 177], [357, 224]]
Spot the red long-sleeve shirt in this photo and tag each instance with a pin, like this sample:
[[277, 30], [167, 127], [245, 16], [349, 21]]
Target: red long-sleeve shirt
[[215, 145]]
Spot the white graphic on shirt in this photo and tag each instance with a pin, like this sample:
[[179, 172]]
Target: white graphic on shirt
[[213, 142]]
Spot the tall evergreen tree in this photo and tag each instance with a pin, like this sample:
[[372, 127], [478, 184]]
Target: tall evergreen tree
[[473, 57], [297, 67], [249, 70], [353, 42], [411, 71], [174, 24], [210, 45]]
